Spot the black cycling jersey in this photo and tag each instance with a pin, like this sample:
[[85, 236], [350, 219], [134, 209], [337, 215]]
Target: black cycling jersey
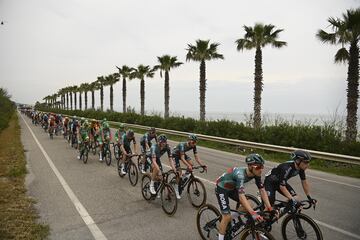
[[283, 172]]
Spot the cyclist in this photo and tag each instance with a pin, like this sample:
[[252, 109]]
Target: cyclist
[[66, 125], [104, 137], [74, 129], [119, 133], [83, 135], [156, 151], [145, 144], [94, 127], [276, 179], [231, 185], [178, 154], [125, 147], [52, 123]]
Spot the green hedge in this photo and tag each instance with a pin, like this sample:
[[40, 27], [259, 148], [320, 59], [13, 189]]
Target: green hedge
[[7, 109], [320, 138]]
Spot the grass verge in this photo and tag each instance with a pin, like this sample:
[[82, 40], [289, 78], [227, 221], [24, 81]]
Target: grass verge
[[342, 169], [17, 213]]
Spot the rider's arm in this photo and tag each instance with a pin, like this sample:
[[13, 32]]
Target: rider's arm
[[263, 193], [286, 193], [135, 146], [197, 158], [122, 145], [154, 162], [171, 160], [306, 187], [245, 203], [182, 157]]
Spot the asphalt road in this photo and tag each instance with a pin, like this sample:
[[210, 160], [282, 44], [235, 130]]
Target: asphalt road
[[90, 201]]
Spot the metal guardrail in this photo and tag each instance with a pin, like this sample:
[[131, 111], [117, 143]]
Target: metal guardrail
[[275, 148]]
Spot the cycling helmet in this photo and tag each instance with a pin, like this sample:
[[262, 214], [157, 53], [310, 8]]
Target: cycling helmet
[[162, 138], [82, 120], [300, 154], [254, 158], [130, 133], [193, 137], [152, 130], [86, 124], [93, 120], [121, 126], [106, 125]]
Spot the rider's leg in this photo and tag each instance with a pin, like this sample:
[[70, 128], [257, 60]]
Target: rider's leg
[[223, 201]]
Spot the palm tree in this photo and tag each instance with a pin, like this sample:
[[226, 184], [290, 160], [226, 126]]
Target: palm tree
[[346, 31], [75, 89], [202, 52], [60, 94], [166, 62], [102, 82], [125, 72], [47, 99], [80, 90], [86, 87], [67, 91], [140, 73], [110, 81], [258, 37], [93, 87]]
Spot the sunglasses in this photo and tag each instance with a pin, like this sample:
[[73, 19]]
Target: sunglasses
[[258, 167], [306, 162]]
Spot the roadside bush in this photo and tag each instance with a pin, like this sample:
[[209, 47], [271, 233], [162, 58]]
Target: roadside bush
[[7, 108], [321, 138]]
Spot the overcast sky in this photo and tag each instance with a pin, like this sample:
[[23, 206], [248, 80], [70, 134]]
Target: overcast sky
[[46, 45]]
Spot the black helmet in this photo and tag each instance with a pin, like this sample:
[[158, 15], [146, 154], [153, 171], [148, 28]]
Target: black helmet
[[300, 154], [162, 138], [254, 158], [130, 133], [152, 130]]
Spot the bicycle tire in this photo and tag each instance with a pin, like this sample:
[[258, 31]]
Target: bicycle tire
[[261, 233], [133, 173], [208, 226], [116, 152], [145, 187], [93, 148], [301, 216], [119, 169], [85, 156], [108, 157], [195, 189], [168, 195]]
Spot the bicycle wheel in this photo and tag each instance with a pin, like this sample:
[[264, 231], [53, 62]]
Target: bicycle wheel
[[207, 221], [93, 148], [168, 199], [196, 192], [256, 233], [300, 226], [108, 157], [119, 168], [116, 152], [85, 155], [133, 173], [145, 187]]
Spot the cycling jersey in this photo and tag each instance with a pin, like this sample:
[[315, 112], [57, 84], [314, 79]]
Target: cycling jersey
[[279, 176], [146, 138], [181, 148], [74, 126], [118, 135], [125, 141], [84, 133], [235, 178], [283, 172], [156, 152], [230, 184]]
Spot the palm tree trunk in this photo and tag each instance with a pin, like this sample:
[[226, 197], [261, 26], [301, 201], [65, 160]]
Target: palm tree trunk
[[258, 87], [80, 101], [93, 99], [142, 96], [352, 92], [202, 89], [71, 102], [67, 101], [86, 100], [124, 94], [102, 98], [75, 107], [167, 95], [111, 97]]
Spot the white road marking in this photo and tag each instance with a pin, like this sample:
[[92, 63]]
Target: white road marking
[[94, 229], [332, 181]]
